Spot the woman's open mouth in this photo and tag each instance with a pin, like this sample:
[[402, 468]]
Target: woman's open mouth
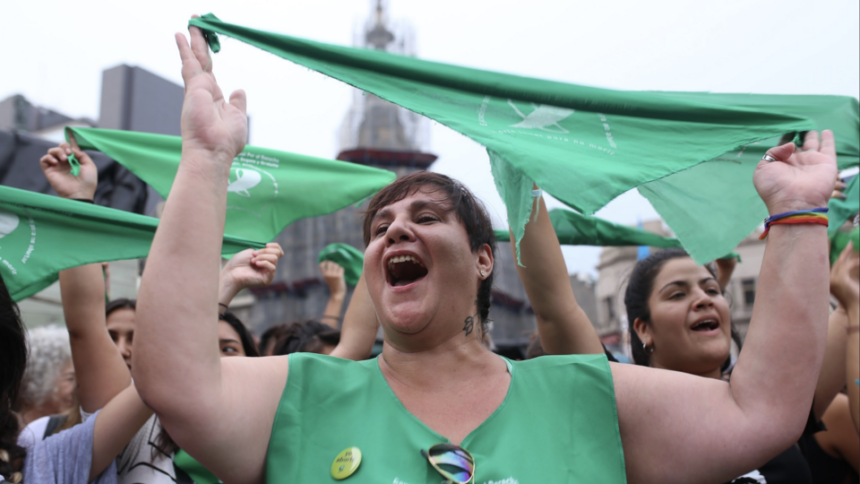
[[404, 270], [706, 325]]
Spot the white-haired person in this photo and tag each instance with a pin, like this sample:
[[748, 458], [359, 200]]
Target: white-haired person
[[49, 382]]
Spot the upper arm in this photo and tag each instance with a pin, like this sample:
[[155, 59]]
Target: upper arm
[[100, 370], [230, 434], [682, 428], [563, 326], [832, 376]]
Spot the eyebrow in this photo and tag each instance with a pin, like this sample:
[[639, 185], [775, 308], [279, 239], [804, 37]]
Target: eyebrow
[[414, 206], [221, 341], [684, 283]]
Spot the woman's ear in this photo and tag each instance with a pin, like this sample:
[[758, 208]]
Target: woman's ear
[[484, 262], [643, 330]]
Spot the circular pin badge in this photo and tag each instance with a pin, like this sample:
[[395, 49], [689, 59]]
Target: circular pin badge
[[346, 463]]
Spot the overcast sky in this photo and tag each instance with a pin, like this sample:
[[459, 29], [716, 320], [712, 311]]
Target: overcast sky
[[54, 51]]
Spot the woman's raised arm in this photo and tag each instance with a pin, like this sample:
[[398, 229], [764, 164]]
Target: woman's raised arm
[[358, 332], [100, 370], [714, 431], [220, 413], [563, 326]]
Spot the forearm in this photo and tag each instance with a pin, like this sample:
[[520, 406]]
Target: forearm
[[832, 376], [358, 332], [100, 370], [777, 370], [852, 362], [331, 315], [177, 302], [563, 326], [115, 426]]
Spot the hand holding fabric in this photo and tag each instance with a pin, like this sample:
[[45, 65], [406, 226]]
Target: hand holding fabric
[[845, 277], [249, 268], [333, 274], [209, 123], [58, 170], [798, 180]]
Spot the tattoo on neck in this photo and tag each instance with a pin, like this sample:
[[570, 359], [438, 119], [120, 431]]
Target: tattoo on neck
[[469, 323]]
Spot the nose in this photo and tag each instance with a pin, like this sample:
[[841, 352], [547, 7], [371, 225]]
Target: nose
[[398, 231], [124, 348], [703, 299]]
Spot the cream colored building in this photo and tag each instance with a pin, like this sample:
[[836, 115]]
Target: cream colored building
[[615, 266]]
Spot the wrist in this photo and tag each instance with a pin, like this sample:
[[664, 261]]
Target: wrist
[[793, 206], [209, 155], [79, 195], [227, 290]]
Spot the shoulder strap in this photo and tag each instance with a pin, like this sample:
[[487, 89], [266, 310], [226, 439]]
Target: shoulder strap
[[54, 422]]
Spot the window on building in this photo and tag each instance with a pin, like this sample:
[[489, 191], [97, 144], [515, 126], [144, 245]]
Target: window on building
[[609, 305], [748, 288]]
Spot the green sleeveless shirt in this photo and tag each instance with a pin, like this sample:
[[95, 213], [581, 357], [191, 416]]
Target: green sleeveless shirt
[[557, 424]]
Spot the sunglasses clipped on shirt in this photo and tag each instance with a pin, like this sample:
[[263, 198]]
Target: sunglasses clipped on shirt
[[453, 462]]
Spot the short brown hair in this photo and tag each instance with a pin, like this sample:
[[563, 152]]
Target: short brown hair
[[469, 210]]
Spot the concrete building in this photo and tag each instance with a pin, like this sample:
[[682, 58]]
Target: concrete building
[[614, 269], [132, 98]]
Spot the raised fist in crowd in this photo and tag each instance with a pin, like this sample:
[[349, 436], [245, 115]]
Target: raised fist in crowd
[[58, 170]]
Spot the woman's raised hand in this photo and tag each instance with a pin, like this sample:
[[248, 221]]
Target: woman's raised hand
[[798, 180], [55, 164], [210, 124]]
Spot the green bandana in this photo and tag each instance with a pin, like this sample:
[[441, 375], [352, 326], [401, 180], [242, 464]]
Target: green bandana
[[840, 240], [346, 256], [268, 189], [40, 235], [714, 205], [583, 145], [573, 228]]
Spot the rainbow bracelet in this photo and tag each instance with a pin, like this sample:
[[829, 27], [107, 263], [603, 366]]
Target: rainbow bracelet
[[814, 216]]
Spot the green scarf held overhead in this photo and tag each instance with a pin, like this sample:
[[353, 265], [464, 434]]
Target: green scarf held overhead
[[573, 228], [41, 235], [583, 145], [268, 189], [346, 256], [712, 206]]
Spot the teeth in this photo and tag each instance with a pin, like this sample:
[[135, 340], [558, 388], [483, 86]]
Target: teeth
[[403, 258]]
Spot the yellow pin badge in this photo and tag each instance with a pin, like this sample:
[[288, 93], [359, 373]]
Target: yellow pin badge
[[346, 463]]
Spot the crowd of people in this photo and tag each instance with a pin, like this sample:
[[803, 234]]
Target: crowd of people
[[173, 387]]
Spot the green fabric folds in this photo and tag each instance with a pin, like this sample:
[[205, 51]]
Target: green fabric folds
[[346, 256], [268, 189], [40, 235], [711, 207], [573, 228], [583, 145], [840, 240]]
